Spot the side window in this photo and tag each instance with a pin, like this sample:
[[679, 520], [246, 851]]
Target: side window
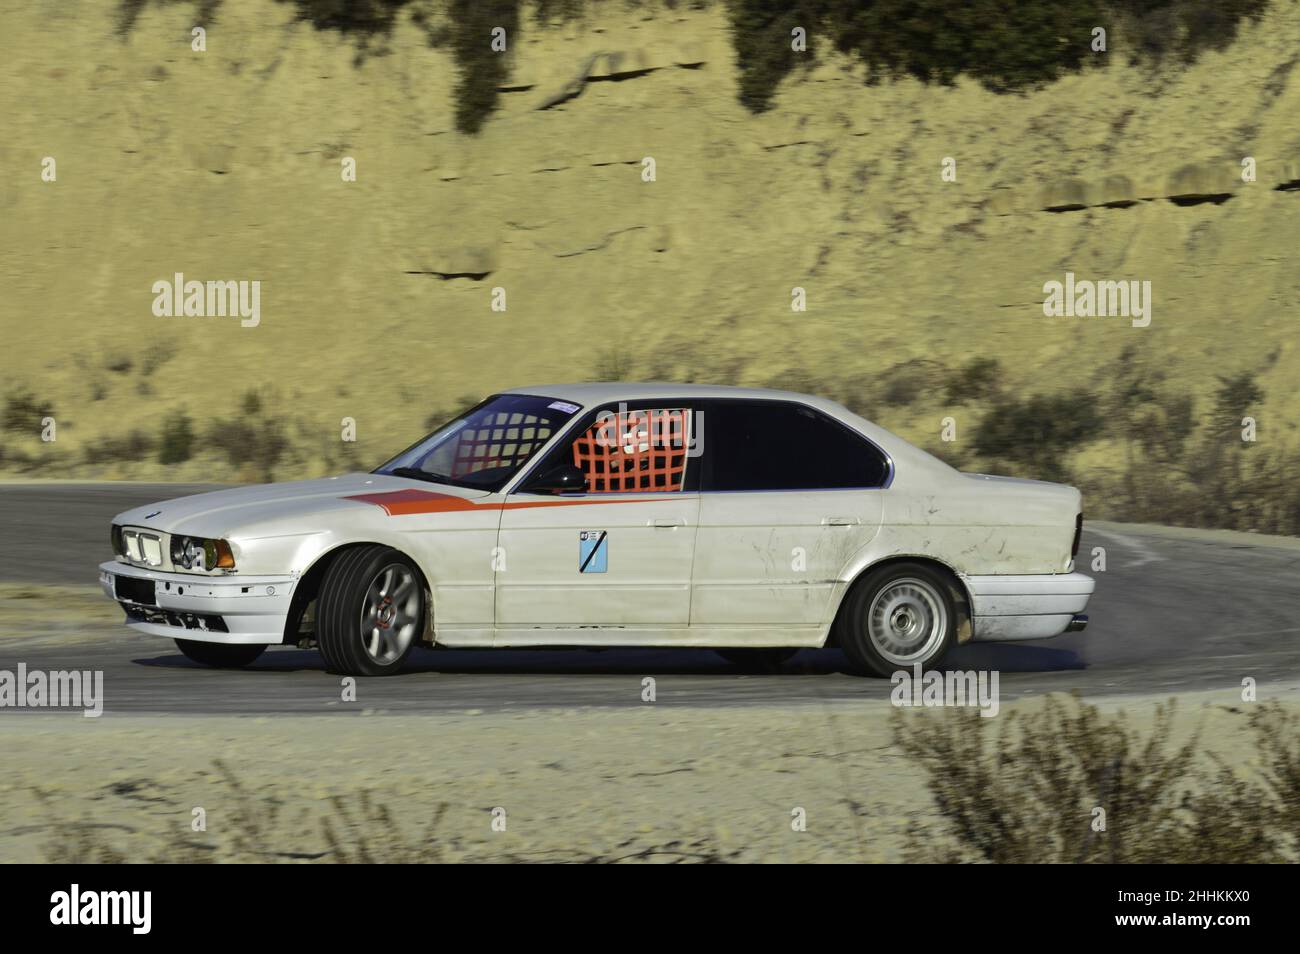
[[636, 451], [769, 445]]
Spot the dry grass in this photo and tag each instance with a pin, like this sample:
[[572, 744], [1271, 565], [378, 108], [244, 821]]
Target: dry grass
[[1030, 790], [1023, 790], [364, 827]]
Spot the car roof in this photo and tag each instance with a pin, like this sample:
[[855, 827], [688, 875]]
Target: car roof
[[600, 392]]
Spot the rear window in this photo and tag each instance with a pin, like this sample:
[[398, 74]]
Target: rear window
[[773, 445]]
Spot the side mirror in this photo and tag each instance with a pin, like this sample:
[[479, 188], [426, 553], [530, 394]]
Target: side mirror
[[560, 479]]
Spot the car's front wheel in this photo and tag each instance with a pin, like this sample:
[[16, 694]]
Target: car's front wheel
[[370, 611], [220, 655], [897, 617]]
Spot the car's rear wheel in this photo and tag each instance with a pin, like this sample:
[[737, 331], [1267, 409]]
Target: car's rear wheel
[[757, 660], [220, 655], [370, 611], [898, 617]]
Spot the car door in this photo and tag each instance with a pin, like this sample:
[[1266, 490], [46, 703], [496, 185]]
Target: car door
[[612, 563], [790, 496], [444, 495]]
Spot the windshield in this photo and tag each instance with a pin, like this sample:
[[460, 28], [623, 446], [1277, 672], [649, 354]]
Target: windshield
[[485, 446]]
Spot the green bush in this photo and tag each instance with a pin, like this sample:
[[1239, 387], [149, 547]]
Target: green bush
[[1035, 436], [368, 23], [761, 36], [261, 444], [974, 381], [1218, 463], [1189, 468], [23, 412], [1006, 45], [251, 404], [132, 448], [1154, 31], [906, 382], [177, 441], [480, 70]]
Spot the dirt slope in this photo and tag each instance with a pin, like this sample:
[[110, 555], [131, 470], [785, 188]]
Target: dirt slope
[[225, 165]]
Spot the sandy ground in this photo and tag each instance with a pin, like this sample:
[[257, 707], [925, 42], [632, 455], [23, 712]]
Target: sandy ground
[[574, 785], [649, 784], [225, 165]]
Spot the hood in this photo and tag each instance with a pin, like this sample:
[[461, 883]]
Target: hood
[[270, 508]]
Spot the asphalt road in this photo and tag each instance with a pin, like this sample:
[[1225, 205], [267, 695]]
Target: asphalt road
[[1174, 610]]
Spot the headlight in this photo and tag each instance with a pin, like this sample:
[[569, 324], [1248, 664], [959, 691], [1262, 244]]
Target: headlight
[[197, 553], [217, 554], [115, 537], [187, 552]]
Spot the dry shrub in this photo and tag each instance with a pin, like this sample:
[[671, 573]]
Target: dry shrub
[[1027, 791]]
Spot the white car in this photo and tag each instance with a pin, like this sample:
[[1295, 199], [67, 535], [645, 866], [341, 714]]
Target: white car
[[753, 522]]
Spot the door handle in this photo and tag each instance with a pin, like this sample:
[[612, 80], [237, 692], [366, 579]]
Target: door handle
[[840, 521], [667, 523]]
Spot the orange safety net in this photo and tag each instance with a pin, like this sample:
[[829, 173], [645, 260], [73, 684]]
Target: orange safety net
[[505, 439], [635, 451]]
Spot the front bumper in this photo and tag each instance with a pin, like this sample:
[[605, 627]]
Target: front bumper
[[222, 609], [1038, 606]]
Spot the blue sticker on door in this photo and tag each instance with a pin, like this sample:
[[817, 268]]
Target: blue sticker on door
[[593, 551]]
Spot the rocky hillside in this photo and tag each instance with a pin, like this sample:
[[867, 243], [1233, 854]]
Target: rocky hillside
[[924, 296]]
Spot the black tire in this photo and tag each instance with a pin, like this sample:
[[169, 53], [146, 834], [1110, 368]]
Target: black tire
[[908, 588], [757, 660], [220, 655], [345, 593]]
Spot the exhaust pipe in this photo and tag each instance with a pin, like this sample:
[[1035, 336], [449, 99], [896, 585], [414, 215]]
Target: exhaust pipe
[[1078, 623]]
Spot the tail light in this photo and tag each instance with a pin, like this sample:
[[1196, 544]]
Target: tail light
[[1078, 532]]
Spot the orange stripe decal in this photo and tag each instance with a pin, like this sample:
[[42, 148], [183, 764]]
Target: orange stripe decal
[[400, 503]]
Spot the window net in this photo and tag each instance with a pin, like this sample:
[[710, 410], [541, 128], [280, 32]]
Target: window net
[[505, 439], [635, 451]]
